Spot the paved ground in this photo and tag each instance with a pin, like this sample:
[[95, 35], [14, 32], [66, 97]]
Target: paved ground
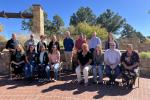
[[68, 90]]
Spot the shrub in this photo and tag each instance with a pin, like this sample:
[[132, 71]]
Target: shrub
[[145, 54]]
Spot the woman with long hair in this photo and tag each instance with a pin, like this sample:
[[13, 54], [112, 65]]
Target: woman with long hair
[[43, 67], [110, 39], [54, 60], [98, 59], [53, 41], [18, 61], [31, 58]]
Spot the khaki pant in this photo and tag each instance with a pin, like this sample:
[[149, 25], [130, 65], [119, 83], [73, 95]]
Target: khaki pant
[[68, 57], [85, 73]]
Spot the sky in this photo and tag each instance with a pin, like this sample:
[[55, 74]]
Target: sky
[[134, 11]]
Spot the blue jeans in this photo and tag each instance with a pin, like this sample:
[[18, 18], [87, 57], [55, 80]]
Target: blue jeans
[[100, 72], [47, 69], [112, 73], [29, 68], [56, 69]]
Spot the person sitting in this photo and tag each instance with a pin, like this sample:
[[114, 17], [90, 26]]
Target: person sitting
[[112, 61], [31, 59], [18, 61], [98, 59], [84, 61], [43, 68], [130, 61], [54, 60]]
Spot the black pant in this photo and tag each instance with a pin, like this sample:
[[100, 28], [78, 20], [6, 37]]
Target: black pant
[[18, 69], [129, 76], [41, 71]]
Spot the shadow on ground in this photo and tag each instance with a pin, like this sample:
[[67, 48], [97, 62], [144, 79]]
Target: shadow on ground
[[76, 89], [69, 84]]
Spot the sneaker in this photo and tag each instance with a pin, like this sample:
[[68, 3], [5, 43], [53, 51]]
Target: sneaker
[[100, 82], [48, 80], [109, 82], [116, 83], [130, 86], [79, 82], [40, 80], [94, 82]]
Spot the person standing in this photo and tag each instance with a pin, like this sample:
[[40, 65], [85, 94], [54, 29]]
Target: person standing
[[68, 48], [29, 42], [79, 42], [12, 43], [40, 43], [110, 39], [94, 41], [53, 42]]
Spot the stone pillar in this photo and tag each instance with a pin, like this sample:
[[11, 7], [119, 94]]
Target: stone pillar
[[38, 20]]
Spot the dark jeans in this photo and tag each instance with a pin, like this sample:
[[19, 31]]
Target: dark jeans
[[112, 73], [43, 71]]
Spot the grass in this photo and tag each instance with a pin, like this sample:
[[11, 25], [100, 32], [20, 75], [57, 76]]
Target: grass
[[145, 54]]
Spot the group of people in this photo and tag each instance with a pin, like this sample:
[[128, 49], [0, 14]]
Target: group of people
[[38, 58], [111, 62], [41, 58]]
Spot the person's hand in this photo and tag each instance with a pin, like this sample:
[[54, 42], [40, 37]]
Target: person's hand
[[81, 67], [113, 66], [129, 67], [52, 66], [14, 63], [13, 50]]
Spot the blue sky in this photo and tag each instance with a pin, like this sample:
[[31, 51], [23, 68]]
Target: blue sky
[[134, 11]]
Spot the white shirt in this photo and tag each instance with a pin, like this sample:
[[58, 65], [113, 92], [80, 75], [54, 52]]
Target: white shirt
[[112, 56], [41, 57]]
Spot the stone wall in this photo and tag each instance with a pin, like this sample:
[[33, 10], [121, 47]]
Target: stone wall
[[4, 62], [38, 20], [2, 46]]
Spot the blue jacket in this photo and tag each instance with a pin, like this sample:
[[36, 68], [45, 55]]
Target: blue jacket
[[68, 44]]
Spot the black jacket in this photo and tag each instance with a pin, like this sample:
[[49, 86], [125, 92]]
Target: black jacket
[[38, 46], [51, 45], [45, 58]]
